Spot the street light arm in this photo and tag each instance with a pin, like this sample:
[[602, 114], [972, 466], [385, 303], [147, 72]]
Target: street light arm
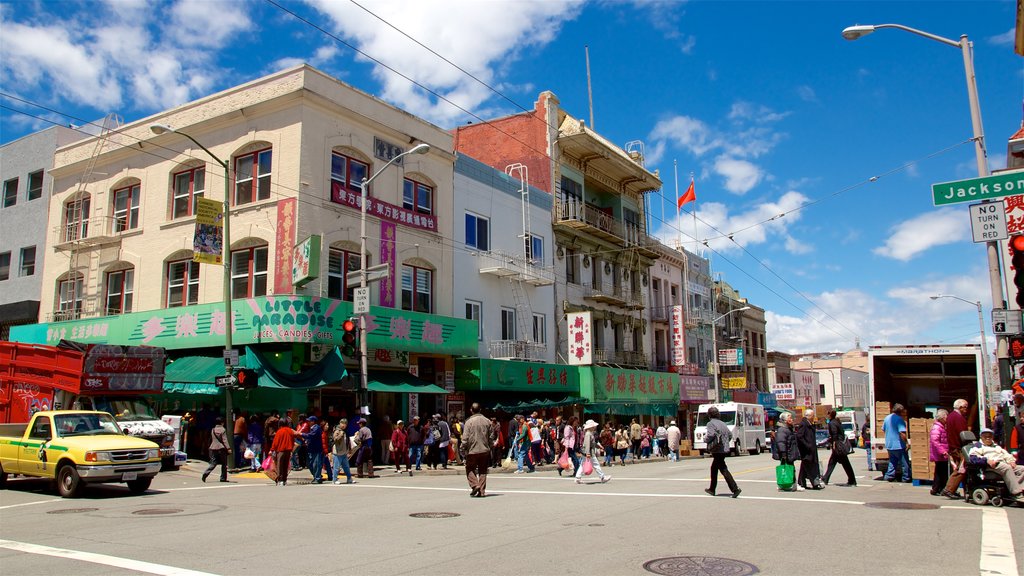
[[418, 149], [856, 32], [161, 128]]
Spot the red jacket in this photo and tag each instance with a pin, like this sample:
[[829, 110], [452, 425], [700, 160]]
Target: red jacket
[[284, 440], [955, 424]]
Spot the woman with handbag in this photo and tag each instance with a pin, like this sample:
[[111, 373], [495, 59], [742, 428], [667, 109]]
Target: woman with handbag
[[840, 450], [218, 450], [622, 443], [785, 450], [569, 445], [590, 452]]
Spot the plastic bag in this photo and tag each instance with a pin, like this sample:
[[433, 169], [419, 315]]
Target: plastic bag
[[563, 460], [248, 454], [588, 467], [785, 476], [268, 462]]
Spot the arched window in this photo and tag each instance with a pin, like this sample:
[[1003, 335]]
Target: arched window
[[76, 218], [119, 289], [252, 174], [187, 185], [417, 195], [70, 288], [418, 286], [249, 261], [124, 205], [348, 169], [181, 280], [343, 258]]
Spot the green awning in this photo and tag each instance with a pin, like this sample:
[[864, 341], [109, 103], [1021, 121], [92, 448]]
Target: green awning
[[197, 374], [401, 382], [186, 388], [192, 370]]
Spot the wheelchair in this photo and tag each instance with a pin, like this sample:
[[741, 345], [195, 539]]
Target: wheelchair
[[982, 485]]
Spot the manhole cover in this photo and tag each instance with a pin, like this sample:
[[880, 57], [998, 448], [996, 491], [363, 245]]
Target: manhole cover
[[157, 511], [699, 566], [434, 515], [902, 506], [72, 510]]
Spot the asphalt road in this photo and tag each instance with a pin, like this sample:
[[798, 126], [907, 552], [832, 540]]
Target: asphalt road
[[531, 523]]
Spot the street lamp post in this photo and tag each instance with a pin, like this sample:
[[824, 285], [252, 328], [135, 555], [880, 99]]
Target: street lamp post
[[714, 350], [363, 382], [992, 248], [984, 347], [226, 258]]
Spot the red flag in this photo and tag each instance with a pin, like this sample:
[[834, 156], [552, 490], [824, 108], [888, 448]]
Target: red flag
[[688, 196]]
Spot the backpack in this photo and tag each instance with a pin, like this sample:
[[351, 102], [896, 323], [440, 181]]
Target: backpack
[[714, 441]]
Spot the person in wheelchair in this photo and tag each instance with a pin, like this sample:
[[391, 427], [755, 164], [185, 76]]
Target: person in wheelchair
[[988, 453]]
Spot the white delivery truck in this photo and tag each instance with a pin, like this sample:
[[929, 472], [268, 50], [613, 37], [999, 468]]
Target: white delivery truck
[[852, 421], [923, 378], [745, 421]]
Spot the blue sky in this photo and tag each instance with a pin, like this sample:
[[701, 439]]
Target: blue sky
[[763, 102]]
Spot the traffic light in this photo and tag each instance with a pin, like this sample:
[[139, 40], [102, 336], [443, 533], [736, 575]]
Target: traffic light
[[1017, 261], [246, 379], [350, 338], [1016, 347]]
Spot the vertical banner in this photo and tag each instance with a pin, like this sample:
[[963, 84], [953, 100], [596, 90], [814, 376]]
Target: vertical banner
[[414, 405], [387, 256], [580, 338], [284, 242], [208, 243], [678, 336]]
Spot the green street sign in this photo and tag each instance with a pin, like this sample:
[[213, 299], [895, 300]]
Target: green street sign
[[974, 189]]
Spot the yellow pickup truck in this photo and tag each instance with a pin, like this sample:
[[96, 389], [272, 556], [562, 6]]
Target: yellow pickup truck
[[75, 448]]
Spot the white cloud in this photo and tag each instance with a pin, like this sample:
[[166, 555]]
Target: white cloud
[[794, 246], [468, 33], [714, 220], [120, 53], [685, 132], [912, 237], [740, 175], [806, 93], [1004, 39]]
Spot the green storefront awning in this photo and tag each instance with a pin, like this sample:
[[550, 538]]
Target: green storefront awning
[[489, 375], [197, 374], [400, 382], [193, 375], [660, 409]]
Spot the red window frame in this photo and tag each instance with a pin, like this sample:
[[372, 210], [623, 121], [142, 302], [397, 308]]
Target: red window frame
[[255, 176], [338, 186], [190, 208], [125, 287], [414, 204], [412, 299], [131, 210], [251, 273], [346, 256], [187, 282]]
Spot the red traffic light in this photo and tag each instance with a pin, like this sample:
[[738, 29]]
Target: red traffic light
[[348, 325], [350, 338]]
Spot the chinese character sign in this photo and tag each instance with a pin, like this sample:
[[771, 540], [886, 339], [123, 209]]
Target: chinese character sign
[[580, 338], [678, 336], [306, 261], [388, 235], [208, 243]]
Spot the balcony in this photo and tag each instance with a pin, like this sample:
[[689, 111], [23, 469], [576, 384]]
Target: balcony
[[661, 314], [604, 293], [636, 300], [65, 315], [579, 216], [516, 350], [619, 357], [94, 231], [505, 265]]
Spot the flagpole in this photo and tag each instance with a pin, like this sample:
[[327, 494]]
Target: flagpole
[[694, 212], [679, 236]]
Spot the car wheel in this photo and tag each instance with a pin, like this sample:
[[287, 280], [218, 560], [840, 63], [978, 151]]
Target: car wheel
[[69, 483], [139, 486]]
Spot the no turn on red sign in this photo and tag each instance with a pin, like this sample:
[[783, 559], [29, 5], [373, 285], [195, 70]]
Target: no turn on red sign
[[988, 221]]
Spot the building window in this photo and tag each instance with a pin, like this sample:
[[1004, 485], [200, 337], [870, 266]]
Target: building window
[[182, 283], [417, 285], [252, 177], [249, 272], [508, 324], [478, 233], [540, 335], [638, 340], [5, 265], [76, 219], [28, 261], [571, 189], [473, 313], [534, 248], [619, 336], [570, 266], [339, 264], [69, 298], [417, 196], [347, 173], [120, 291], [126, 208], [10, 192], [189, 186], [35, 185]]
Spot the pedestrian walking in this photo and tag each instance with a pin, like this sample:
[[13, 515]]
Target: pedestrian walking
[[718, 439], [254, 437], [415, 439], [340, 446], [444, 439], [219, 450], [241, 428], [810, 469], [590, 452], [607, 440], [478, 437], [956, 422], [840, 450], [364, 455], [284, 443], [498, 446], [569, 444], [938, 452], [313, 439], [661, 436], [673, 436], [622, 442], [399, 447], [785, 449], [635, 432], [895, 429], [456, 426], [536, 440], [522, 444]]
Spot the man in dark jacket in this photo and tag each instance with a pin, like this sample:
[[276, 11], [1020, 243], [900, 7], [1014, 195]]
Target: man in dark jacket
[[444, 441], [810, 470], [784, 447], [415, 440], [840, 450], [719, 438], [314, 448]]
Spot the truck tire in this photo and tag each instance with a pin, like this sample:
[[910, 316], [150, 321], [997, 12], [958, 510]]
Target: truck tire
[[139, 486], [757, 448], [69, 483], [735, 449]]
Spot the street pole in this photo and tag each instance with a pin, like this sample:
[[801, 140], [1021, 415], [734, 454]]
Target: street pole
[[981, 157], [364, 392], [226, 260], [714, 351]]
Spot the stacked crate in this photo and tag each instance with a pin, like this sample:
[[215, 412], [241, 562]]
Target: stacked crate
[[882, 411], [920, 429]]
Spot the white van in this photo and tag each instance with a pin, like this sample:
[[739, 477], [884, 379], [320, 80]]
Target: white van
[[745, 421], [852, 421]]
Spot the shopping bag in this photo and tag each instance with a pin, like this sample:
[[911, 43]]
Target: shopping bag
[[563, 460], [271, 472], [248, 454], [588, 467], [268, 462], [785, 476]]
